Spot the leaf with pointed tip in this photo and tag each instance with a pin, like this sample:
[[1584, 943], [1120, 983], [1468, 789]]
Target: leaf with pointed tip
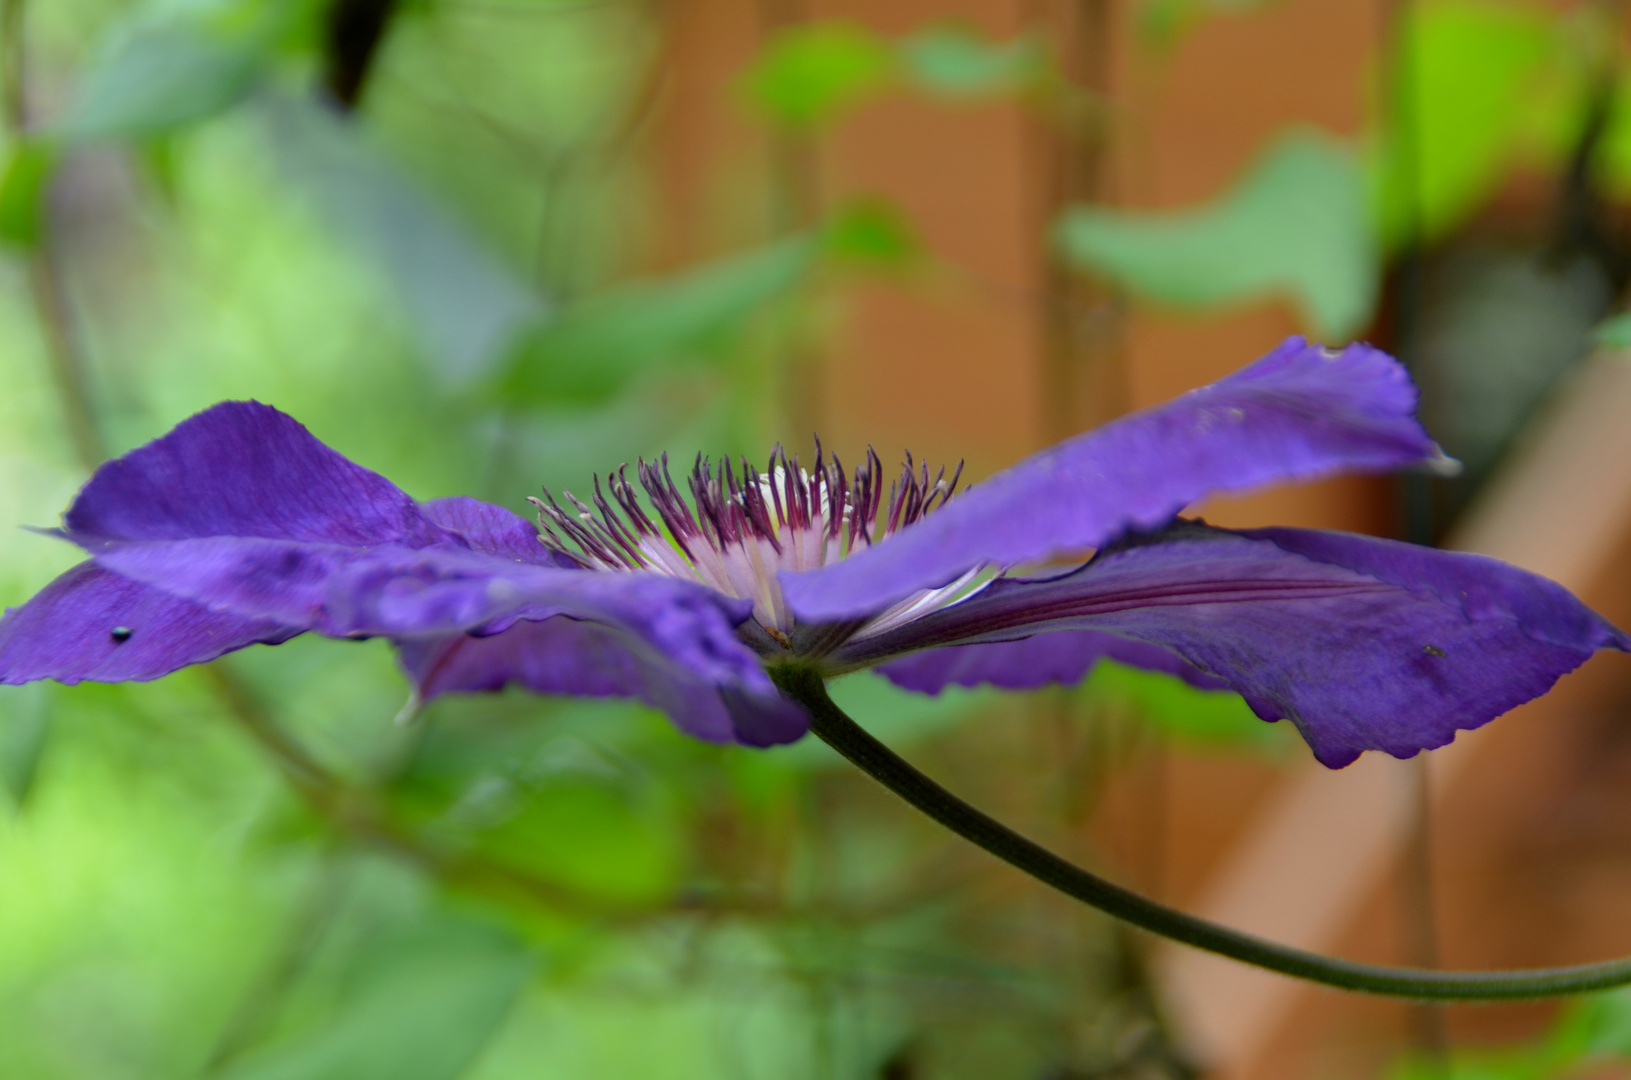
[[809, 75], [1295, 225], [158, 72], [465, 305], [591, 351], [950, 60]]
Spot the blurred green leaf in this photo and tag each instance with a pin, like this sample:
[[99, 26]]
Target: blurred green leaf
[[1294, 225], [601, 835], [1598, 1025], [423, 1004], [1214, 719], [808, 75], [591, 351], [1593, 1029], [1614, 151], [22, 192], [871, 233], [955, 61], [25, 722], [465, 305], [1615, 332], [160, 70], [1522, 1064], [1463, 103]]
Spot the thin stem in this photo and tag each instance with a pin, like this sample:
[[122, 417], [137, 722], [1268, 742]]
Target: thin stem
[[62, 343], [872, 757], [68, 362]]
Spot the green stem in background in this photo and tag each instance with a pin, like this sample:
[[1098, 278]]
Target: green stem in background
[[68, 364], [67, 355], [872, 757]]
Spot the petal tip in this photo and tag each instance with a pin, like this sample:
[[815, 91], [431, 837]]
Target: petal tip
[[1441, 465]]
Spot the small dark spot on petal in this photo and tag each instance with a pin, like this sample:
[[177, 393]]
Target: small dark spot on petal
[[120, 634], [1434, 650]]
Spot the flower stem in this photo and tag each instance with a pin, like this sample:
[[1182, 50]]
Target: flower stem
[[872, 757]]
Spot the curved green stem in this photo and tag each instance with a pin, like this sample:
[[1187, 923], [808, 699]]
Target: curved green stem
[[875, 759]]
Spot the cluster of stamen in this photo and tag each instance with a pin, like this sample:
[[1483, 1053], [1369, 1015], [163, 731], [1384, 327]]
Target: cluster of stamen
[[738, 529]]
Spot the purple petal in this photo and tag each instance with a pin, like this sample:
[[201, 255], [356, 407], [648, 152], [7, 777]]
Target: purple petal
[[564, 656], [1062, 657], [682, 628], [1299, 413], [243, 469], [72, 629], [492, 530], [1362, 643]]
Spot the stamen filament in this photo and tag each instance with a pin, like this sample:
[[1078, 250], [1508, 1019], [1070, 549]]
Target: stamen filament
[[738, 531]]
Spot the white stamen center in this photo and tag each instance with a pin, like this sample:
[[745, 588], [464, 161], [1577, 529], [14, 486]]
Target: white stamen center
[[736, 536]]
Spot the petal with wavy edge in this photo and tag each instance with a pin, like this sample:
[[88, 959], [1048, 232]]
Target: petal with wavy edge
[[1362, 643], [243, 469], [66, 632], [405, 593], [565, 656], [1299, 413]]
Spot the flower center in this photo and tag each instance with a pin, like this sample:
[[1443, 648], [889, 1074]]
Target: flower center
[[735, 534]]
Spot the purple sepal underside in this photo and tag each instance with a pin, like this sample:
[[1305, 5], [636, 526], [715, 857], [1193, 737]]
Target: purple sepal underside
[[90, 624], [566, 656], [404, 593], [1297, 414], [1363, 643]]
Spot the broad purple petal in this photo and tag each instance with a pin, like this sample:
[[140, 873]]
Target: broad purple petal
[[565, 656], [67, 632], [1362, 643], [404, 592], [1063, 657], [681, 635], [1297, 414], [243, 469], [492, 530]]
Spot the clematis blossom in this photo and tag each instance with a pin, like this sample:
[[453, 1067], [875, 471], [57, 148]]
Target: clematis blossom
[[239, 527]]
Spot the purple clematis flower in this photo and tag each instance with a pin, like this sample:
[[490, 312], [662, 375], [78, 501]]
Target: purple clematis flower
[[239, 527]]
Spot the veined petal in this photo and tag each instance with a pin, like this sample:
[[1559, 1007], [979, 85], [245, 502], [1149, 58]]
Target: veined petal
[[90, 624], [1297, 414], [405, 593], [1362, 643], [243, 469], [566, 656], [1063, 657]]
